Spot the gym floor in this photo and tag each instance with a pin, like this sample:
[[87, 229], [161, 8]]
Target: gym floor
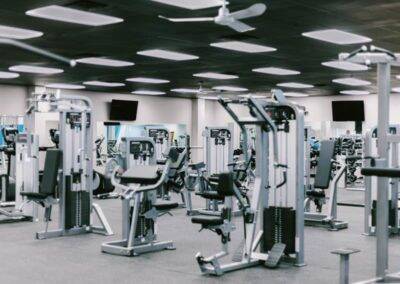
[[78, 259]]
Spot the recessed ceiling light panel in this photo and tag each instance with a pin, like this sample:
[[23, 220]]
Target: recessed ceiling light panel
[[276, 71], [185, 91], [344, 65], [146, 92], [192, 4], [18, 33], [105, 62], [8, 75], [147, 80], [337, 37], [295, 95], [351, 82], [166, 54], [295, 85], [103, 84], [230, 89], [65, 86], [398, 77], [217, 76], [64, 14], [396, 90], [35, 69], [243, 46], [354, 92]]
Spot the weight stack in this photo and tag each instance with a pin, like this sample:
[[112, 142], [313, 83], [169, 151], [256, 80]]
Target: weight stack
[[392, 214], [279, 227]]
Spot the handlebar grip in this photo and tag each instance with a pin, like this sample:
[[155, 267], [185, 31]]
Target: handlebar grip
[[381, 172]]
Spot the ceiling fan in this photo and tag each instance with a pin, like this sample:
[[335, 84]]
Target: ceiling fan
[[226, 18]]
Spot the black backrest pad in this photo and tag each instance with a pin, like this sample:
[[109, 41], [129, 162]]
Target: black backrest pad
[[50, 172], [324, 168], [225, 184], [173, 154]]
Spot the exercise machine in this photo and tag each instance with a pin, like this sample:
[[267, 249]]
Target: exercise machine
[[370, 182], [273, 230], [323, 181], [380, 167], [68, 170], [160, 137], [140, 206], [26, 178]]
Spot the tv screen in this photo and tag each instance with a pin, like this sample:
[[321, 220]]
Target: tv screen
[[348, 111], [123, 110]]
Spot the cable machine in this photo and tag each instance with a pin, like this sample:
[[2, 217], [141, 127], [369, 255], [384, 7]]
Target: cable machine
[[72, 163]]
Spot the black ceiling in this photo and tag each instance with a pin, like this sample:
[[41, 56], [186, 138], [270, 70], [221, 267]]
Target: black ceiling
[[280, 27]]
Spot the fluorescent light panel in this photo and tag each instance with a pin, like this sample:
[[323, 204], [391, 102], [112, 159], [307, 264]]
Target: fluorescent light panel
[[337, 37], [243, 46], [398, 77], [103, 84], [209, 98], [295, 85], [351, 82], [18, 33], [344, 65], [146, 92], [354, 92], [64, 14], [230, 89], [396, 90], [185, 91], [105, 62], [276, 71], [166, 54], [147, 80], [295, 95], [8, 75], [191, 4], [217, 76], [65, 86], [35, 69]]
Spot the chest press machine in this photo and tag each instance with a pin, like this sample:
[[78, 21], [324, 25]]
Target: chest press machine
[[272, 231], [323, 182], [68, 173]]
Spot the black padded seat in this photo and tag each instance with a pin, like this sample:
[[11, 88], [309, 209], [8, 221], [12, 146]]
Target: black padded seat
[[165, 205], [214, 195], [141, 174], [197, 166], [316, 194], [35, 195], [161, 161], [207, 220]]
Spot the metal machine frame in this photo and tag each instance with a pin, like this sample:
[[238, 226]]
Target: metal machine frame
[[370, 141], [138, 235], [384, 59], [267, 133], [76, 174]]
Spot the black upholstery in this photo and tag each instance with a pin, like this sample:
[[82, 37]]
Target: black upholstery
[[324, 168], [165, 205], [225, 184], [197, 166], [211, 194], [208, 220], [141, 174], [50, 174]]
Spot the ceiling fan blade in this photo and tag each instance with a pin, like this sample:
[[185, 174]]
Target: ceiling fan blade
[[240, 27], [253, 11], [186, 20]]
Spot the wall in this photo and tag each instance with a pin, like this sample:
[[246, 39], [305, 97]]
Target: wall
[[319, 110], [13, 100]]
